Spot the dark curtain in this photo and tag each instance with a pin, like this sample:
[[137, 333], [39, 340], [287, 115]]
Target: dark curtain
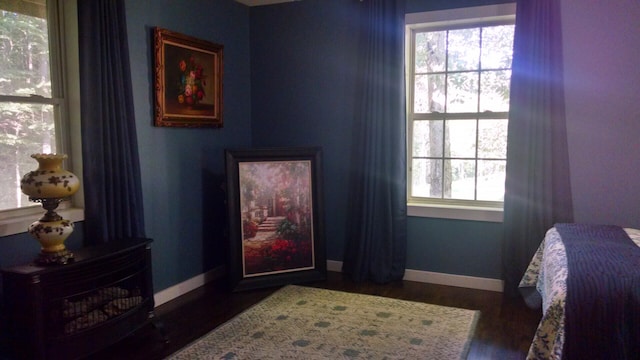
[[375, 248], [537, 189], [112, 189]]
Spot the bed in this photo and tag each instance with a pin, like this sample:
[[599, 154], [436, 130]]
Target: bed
[[546, 284]]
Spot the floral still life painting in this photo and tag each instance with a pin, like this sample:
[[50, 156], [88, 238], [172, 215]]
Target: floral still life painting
[[192, 82], [188, 81]]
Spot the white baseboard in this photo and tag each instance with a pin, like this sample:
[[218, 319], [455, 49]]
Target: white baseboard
[[464, 281], [333, 265], [184, 287], [429, 277]]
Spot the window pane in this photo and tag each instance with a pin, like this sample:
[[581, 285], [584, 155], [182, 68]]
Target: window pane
[[461, 138], [430, 51], [429, 94], [491, 177], [494, 93], [492, 139], [24, 68], [458, 109], [427, 138], [426, 178], [462, 92], [460, 179], [497, 47], [464, 49], [25, 129]]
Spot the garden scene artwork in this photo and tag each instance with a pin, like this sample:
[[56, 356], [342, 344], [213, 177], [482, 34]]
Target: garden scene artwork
[[277, 212]]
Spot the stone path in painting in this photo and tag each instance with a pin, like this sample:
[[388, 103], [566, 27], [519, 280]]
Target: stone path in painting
[[254, 247], [267, 230]]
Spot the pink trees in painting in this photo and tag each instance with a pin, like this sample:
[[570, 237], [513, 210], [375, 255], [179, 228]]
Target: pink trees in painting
[[276, 208]]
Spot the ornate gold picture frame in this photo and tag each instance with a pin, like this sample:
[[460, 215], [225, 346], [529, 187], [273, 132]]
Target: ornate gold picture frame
[[188, 81]]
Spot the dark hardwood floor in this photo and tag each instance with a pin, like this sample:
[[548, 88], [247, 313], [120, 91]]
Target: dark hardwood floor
[[504, 331]]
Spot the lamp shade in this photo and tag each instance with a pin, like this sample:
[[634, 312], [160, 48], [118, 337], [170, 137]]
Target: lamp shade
[[49, 180]]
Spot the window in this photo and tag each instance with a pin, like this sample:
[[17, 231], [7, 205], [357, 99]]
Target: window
[[459, 71], [38, 81]]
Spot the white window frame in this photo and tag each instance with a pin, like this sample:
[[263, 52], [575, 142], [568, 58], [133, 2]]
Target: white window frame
[[63, 51], [438, 208]]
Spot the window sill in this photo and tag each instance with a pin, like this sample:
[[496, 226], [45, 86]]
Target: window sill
[[19, 224], [455, 212]]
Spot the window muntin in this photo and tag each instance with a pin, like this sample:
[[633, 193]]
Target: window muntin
[[458, 85], [27, 121], [34, 117]]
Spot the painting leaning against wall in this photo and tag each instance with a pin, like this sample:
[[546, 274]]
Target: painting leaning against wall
[[275, 216]]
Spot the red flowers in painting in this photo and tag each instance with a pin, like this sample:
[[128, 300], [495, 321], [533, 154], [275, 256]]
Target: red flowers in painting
[[278, 255], [192, 82], [286, 254]]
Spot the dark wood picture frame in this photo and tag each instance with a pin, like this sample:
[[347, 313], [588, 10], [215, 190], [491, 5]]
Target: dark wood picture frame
[[188, 81], [275, 217]]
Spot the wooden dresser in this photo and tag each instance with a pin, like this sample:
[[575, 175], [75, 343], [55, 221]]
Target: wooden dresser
[[70, 311]]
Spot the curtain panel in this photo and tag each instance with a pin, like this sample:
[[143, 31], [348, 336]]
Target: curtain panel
[[537, 187], [375, 247], [112, 189]]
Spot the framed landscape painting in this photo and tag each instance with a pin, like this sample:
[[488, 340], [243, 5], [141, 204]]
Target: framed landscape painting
[[188, 81], [275, 217]]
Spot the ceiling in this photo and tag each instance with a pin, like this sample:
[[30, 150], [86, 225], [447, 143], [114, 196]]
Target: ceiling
[[262, 2]]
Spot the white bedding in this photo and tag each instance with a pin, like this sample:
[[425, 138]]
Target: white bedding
[[547, 274]]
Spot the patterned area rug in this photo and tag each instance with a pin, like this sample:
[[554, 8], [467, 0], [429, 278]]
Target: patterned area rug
[[307, 323]]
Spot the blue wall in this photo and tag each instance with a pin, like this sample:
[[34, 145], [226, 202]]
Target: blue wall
[[183, 169], [302, 78], [458, 247], [412, 6], [602, 87], [22, 248], [302, 94], [288, 81]]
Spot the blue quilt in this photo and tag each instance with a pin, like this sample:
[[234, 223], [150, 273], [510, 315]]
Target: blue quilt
[[602, 318]]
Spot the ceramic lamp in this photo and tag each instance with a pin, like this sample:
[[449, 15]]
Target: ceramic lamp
[[49, 185]]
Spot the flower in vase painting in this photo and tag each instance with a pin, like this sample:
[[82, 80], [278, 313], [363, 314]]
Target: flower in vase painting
[[192, 81]]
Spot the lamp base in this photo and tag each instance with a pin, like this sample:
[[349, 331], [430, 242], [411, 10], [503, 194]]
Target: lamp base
[[61, 257], [51, 236]]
